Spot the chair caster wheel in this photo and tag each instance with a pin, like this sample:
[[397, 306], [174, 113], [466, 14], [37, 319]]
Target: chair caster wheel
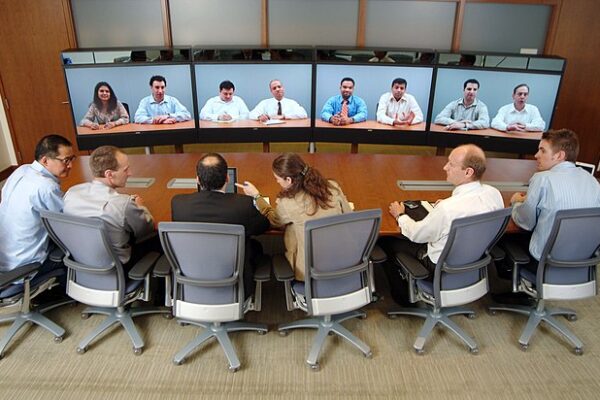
[[474, 350], [492, 312], [578, 351], [283, 333], [369, 355], [234, 369], [420, 352], [471, 316], [315, 367], [363, 316], [81, 350], [181, 323], [524, 347], [138, 350], [261, 332], [330, 333], [392, 316], [168, 316], [179, 362], [58, 339], [85, 315], [572, 317]]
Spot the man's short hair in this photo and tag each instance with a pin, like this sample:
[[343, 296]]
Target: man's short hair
[[158, 78], [521, 85], [226, 85], [102, 159], [474, 159], [565, 140], [399, 81], [475, 81], [347, 79], [212, 175], [48, 146]]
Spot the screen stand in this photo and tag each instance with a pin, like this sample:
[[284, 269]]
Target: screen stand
[[312, 148]]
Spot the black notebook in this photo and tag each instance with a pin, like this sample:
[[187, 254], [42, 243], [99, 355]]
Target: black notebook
[[417, 209]]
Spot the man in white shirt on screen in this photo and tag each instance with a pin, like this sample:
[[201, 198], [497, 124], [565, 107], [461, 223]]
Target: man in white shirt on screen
[[398, 107], [468, 112], [277, 107], [225, 106], [519, 116]]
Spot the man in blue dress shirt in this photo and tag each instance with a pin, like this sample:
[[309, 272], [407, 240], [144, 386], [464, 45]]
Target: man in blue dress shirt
[[160, 108], [345, 109], [33, 187]]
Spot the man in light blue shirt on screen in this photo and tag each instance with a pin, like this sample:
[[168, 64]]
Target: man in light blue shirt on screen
[[33, 187], [345, 109], [160, 108]]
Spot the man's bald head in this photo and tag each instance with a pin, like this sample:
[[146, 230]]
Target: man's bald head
[[472, 157], [212, 171]]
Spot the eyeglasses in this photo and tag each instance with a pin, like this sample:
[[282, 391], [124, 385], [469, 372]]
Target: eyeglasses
[[66, 160]]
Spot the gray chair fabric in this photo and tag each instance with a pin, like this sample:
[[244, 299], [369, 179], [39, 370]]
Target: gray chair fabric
[[460, 276], [17, 288], [207, 265], [96, 276], [566, 271], [337, 277]]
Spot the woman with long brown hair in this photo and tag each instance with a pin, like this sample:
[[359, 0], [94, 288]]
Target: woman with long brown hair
[[304, 195]]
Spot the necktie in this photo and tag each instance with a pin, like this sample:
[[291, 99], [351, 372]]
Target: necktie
[[279, 108], [344, 112]]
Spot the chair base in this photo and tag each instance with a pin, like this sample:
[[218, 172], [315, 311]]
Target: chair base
[[432, 318], [19, 320], [536, 316], [220, 332], [325, 326], [122, 316]]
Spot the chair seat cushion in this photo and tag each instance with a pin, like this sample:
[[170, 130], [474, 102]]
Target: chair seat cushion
[[425, 285], [298, 287], [37, 280]]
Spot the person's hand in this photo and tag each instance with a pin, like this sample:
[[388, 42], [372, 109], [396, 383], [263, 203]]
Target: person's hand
[[263, 118], [94, 126], [336, 120], [455, 126], [346, 120], [398, 122], [225, 117], [169, 120], [278, 117], [518, 127], [159, 119], [137, 199], [109, 125], [396, 209], [248, 188], [518, 198]]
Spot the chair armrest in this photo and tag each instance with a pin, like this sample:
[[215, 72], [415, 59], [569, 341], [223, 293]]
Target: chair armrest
[[18, 273], [378, 255], [262, 273], [497, 253], [516, 254], [162, 268], [142, 267], [412, 266], [56, 255], [282, 268]]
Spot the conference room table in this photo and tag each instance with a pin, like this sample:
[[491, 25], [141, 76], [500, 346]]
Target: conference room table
[[368, 180], [135, 128], [371, 125], [248, 123]]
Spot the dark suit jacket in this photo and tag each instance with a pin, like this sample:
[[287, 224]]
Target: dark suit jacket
[[225, 208]]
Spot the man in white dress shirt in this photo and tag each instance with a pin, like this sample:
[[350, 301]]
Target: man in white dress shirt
[[398, 107], [225, 106], [277, 107], [519, 116]]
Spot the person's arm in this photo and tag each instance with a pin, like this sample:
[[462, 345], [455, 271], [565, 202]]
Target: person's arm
[[416, 110], [259, 110], [122, 113], [89, 118], [328, 109], [344, 204], [498, 121], [256, 223], [243, 109], [50, 198], [525, 213], [180, 113], [142, 116], [207, 113], [445, 117], [483, 120], [382, 116], [537, 123], [296, 111], [361, 110], [277, 216], [429, 229], [138, 219]]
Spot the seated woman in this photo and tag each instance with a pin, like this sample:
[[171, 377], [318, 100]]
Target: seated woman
[[305, 195], [105, 110]]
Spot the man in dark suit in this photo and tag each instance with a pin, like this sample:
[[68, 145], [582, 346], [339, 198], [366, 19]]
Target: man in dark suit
[[212, 204]]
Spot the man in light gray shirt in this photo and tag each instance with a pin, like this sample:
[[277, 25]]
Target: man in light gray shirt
[[467, 112], [125, 215]]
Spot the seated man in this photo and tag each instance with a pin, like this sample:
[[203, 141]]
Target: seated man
[[277, 107], [212, 204], [468, 112], [345, 109], [519, 116], [398, 107], [127, 219], [225, 106], [381, 56], [160, 108], [30, 188], [427, 238]]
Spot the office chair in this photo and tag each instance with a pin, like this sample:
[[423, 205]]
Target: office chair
[[17, 288], [460, 276], [127, 109], [207, 264], [338, 277], [566, 271], [96, 277]]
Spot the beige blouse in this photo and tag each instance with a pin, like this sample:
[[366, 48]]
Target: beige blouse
[[292, 213]]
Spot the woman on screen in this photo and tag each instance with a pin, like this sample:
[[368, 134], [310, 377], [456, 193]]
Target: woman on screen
[[304, 195], [105, 110]]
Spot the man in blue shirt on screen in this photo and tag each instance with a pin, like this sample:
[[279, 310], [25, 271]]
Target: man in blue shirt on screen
[[160, 108], [344, 109]]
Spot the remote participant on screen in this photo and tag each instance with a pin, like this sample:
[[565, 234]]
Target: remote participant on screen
[[277, 107], [468, 112], [225, 106], [519, 116], [160, 108], [105, 110], [345, 109], [398, 107]]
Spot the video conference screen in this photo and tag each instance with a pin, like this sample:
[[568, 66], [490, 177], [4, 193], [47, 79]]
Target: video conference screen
[[495, 91], [371, 83], [130, 85], [258, 91]]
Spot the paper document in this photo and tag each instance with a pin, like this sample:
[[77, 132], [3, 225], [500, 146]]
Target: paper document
[[274, 122]]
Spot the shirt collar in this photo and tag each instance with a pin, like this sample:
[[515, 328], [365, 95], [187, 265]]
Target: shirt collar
[[165, 100], [392, 98], [563, 165], [41, 169], [462, 101], [466, 188], [350, 99]]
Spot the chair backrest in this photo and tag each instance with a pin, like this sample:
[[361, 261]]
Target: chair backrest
[[465, 257], [337, 251], [88, 252], [207, 261], [127, 109], [572, 250]]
